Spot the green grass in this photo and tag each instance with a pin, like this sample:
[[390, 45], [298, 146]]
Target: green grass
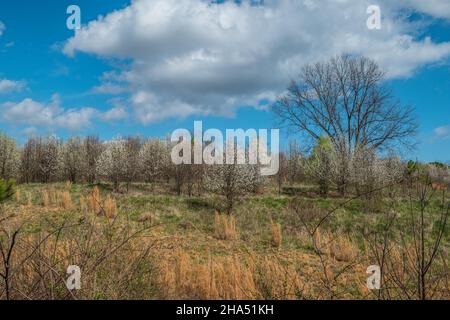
[[183, 215]]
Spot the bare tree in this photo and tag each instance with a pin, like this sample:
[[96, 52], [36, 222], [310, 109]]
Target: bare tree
[[39, 160], [71, 160], [282, 174], [27, 161], [412, 251], [346, 100], [295, 162], [48, 159]]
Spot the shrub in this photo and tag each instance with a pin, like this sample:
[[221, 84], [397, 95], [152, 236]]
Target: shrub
[[7, 189]]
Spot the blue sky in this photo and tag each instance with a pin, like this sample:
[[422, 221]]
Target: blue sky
[[157, 65]]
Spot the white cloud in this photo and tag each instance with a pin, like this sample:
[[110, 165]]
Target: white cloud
[[195, 57], [11, 86], [2, 28], [442, 132], [32, 113], [114, 114]]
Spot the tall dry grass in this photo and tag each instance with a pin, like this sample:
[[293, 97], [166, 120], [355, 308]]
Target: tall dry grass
[[65, 200], [45, 199], [114, 260], [83, 204], [94, 201], [276, 234], [225, 227], [29, 199], [229, 277], [110, 207]]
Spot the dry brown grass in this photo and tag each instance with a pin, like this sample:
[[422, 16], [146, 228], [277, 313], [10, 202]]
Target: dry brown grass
[[53, 197], [225, 270], [18, 196], [110, 207], [233, 277], [94, 201], [29, 199], [341, 247], [41, 259], [45, 199], [277, 236], [83, 205], [173, 261], [147, 217], [65, 200], [225, 227]]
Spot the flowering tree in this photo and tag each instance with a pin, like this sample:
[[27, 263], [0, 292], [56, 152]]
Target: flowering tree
[[321, 166], [9, 157], [153, 159], [112, 163], [39, 161], [370, 172], [295, 163], [439, 173], [232, 180]]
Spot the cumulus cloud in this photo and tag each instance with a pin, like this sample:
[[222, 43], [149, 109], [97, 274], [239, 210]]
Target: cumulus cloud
[[194, 57], [114, 114], [11, 86], [442, 132], [33, 113]]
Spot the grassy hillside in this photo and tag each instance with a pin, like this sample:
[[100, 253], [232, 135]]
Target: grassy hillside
[[152, 244]]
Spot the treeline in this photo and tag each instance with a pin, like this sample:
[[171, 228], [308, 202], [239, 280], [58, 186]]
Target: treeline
[[121, 162], [136, 159]]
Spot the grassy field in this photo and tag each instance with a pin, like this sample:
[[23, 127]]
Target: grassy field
[[151, 244]]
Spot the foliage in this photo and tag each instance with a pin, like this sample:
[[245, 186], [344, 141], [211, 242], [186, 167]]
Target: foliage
[[7, 189]]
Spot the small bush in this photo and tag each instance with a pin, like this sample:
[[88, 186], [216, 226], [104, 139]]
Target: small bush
[[7, 189]]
